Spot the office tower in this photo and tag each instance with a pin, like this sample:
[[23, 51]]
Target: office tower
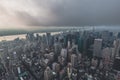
[[69, 70], [74, 48], [117, 48], [106, 53], [74, 60], [69, 40], [45, 62], [79, 57], [64, 52], [80, 44], [56, 67], [52, 41], [56, 48], [37, 36], [48, 74], [116, 64], [48, 38], [94, 62], [70, 52], [61, 38], [76, 35], [118, 76], [15, 58], [105, 35], [51, 56], [112, 53], [42, 46], [97, 47], [85, 43], [73, 42], [107, 38], [14, 55], [30, 36], [90, 39], [68, 45], [62, 73], [118, 35], [89, 45], [61, 60], [101, 64]]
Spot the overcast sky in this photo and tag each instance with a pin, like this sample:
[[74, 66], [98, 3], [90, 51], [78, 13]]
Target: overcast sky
[[31, 13]]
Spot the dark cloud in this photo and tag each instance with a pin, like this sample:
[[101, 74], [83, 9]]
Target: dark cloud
[[75, 13]]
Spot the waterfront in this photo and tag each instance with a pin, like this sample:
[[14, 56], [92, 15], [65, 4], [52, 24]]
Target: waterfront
[[21, 36]]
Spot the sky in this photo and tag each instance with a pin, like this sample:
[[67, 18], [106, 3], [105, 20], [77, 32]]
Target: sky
[[46, 13]]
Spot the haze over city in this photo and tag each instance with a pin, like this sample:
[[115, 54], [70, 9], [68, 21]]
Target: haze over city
[[59, 39]]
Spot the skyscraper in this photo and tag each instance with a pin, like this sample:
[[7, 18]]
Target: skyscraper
[[105, 35], [48, 74], [73, 60], [97, 47], [64, 52], [80, 45], [48, 36], [117, 48]]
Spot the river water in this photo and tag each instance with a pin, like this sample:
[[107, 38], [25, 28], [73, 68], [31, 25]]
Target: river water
[[21, 36]]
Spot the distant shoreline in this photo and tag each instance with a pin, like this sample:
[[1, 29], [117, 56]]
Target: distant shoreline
[[9, 32], [20, 36]]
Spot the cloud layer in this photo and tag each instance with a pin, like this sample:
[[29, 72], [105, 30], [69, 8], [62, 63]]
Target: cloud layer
[[59, 12]]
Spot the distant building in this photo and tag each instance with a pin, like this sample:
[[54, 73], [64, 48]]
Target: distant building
[[117, 48], [113, 53], [106, 53], [75, 49], [74, 60], [80, 45], [116, 64], [68, 45], [118, 35], [51, 56], [97, 47], [64, 53], [48, 37], [42, 45], [69, 70], [105, 35], [57, 48]]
